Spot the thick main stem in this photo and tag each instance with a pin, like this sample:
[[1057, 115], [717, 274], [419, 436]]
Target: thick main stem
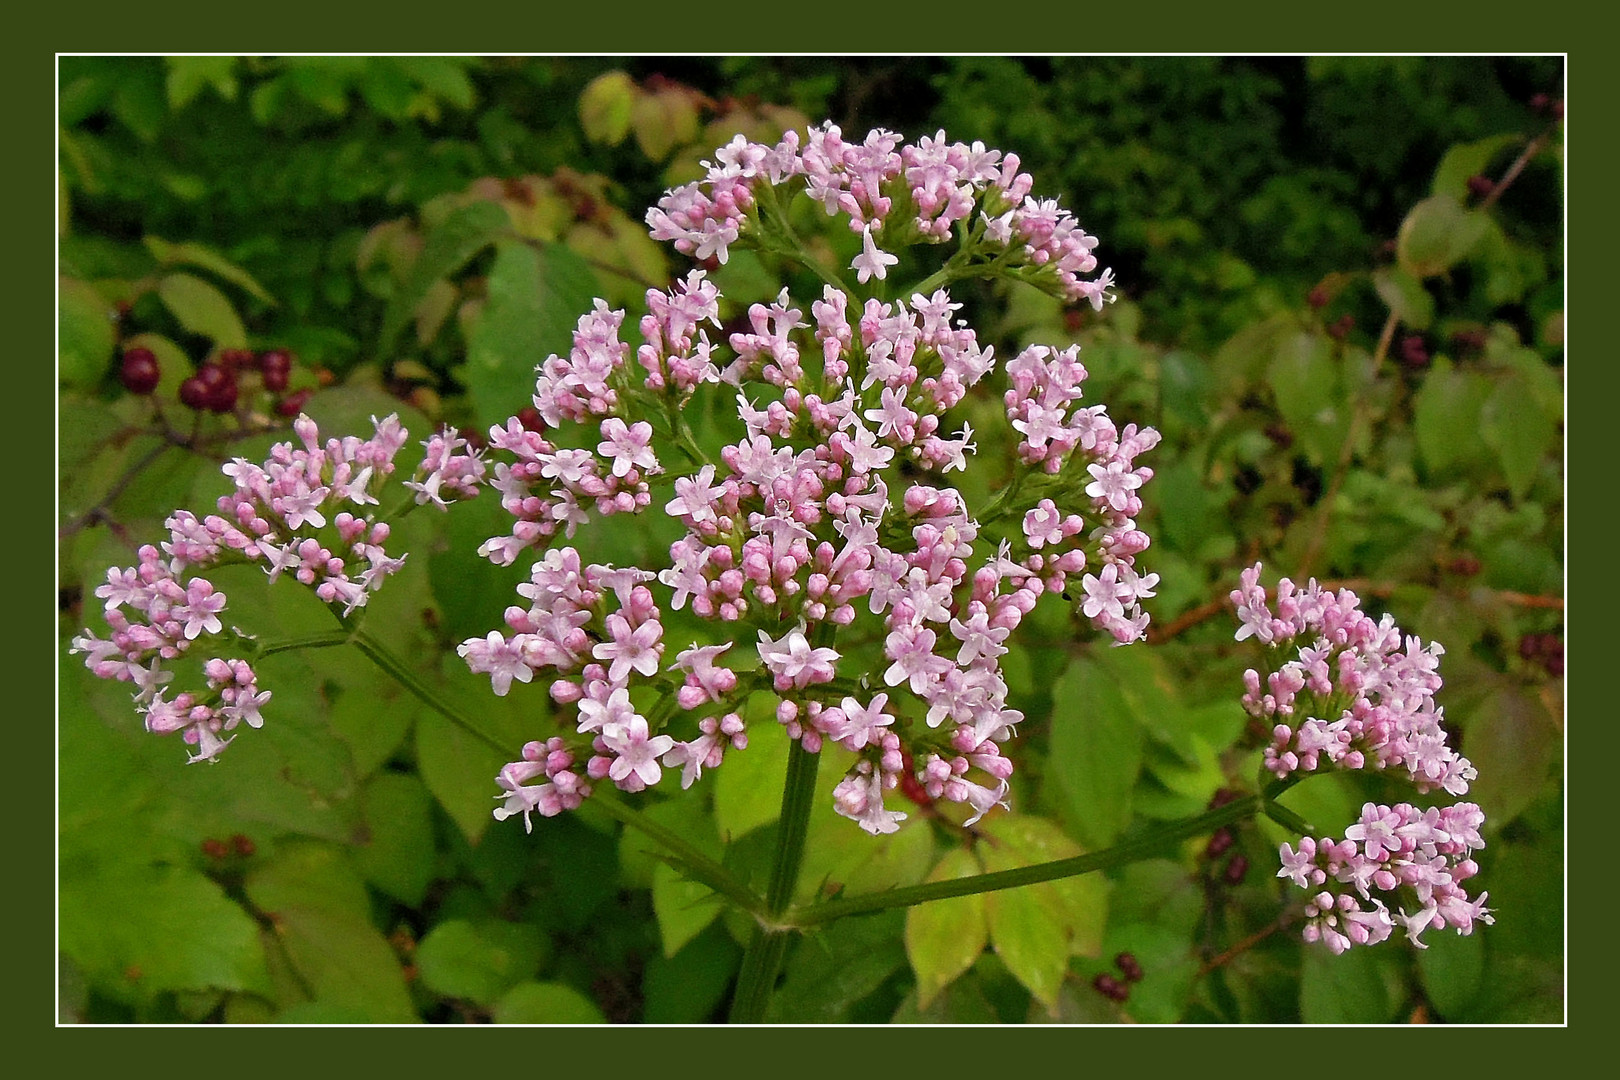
[[766, 949]]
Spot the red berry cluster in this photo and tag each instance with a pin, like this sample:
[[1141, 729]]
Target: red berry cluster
[[1119, 989], [217, 384]]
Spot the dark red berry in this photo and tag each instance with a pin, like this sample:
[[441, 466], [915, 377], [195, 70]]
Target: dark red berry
[[1110, 987], [222, 398], [1539, 102], [276, 366], [1128, 967], [1237, 869], [1466, 565], [215, 848], [244, 846], [194, 393], [1413, 352], [293, 404], [139, 372], [233, 360], [1220, 843], [530, 418], [1340, 329], [1318, 298], [1480, 186], [1558, 109]]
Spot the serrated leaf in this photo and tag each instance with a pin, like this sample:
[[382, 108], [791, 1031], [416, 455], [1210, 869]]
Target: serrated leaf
[[478, 961], [604, 107], [192, 254], [85, 322], [944, 937], [203, 310], [1405, 296], [1096, 751], [463, 233], [1437, 234], [546, 1003]]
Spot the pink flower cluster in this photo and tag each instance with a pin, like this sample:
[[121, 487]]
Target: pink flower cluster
[[295, 514], [1356, 694], [802, 536], [899, 194], [1422, 854]]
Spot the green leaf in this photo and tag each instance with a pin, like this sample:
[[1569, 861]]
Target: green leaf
[[192, 254], [1446, 415], [1511, 741], [944, 937], [546, 1003], [831, 971], [1452, 969], [687, 988], [202, 309], [1096, 751], [459, 769], [322, 917], [1520, 433], [139, 930], [85, 322], [1352, 988], [1468, 159], [398, 837], [1036, 928], [139, 101], [466, 231], [189, 75], [1304, 381], [748, 790], [534, 301], [1437, 234], [1405, 296], [444, 77], [684, 907], [479, 962], [604, 107]]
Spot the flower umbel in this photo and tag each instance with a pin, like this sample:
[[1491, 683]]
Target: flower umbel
[[846, 575]]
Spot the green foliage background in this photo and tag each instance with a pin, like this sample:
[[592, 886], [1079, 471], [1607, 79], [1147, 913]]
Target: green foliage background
[[420, 231]]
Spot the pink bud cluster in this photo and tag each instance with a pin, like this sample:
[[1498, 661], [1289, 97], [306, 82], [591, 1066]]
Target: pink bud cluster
[[804, 525], [1356, 694], [295, 515], [1391, 852], [901, 194]]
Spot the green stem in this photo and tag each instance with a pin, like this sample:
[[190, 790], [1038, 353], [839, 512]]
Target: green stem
[[1118, 855], [770, 206], [685, 857], [402, 673], [313, 641], [767, 947]]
